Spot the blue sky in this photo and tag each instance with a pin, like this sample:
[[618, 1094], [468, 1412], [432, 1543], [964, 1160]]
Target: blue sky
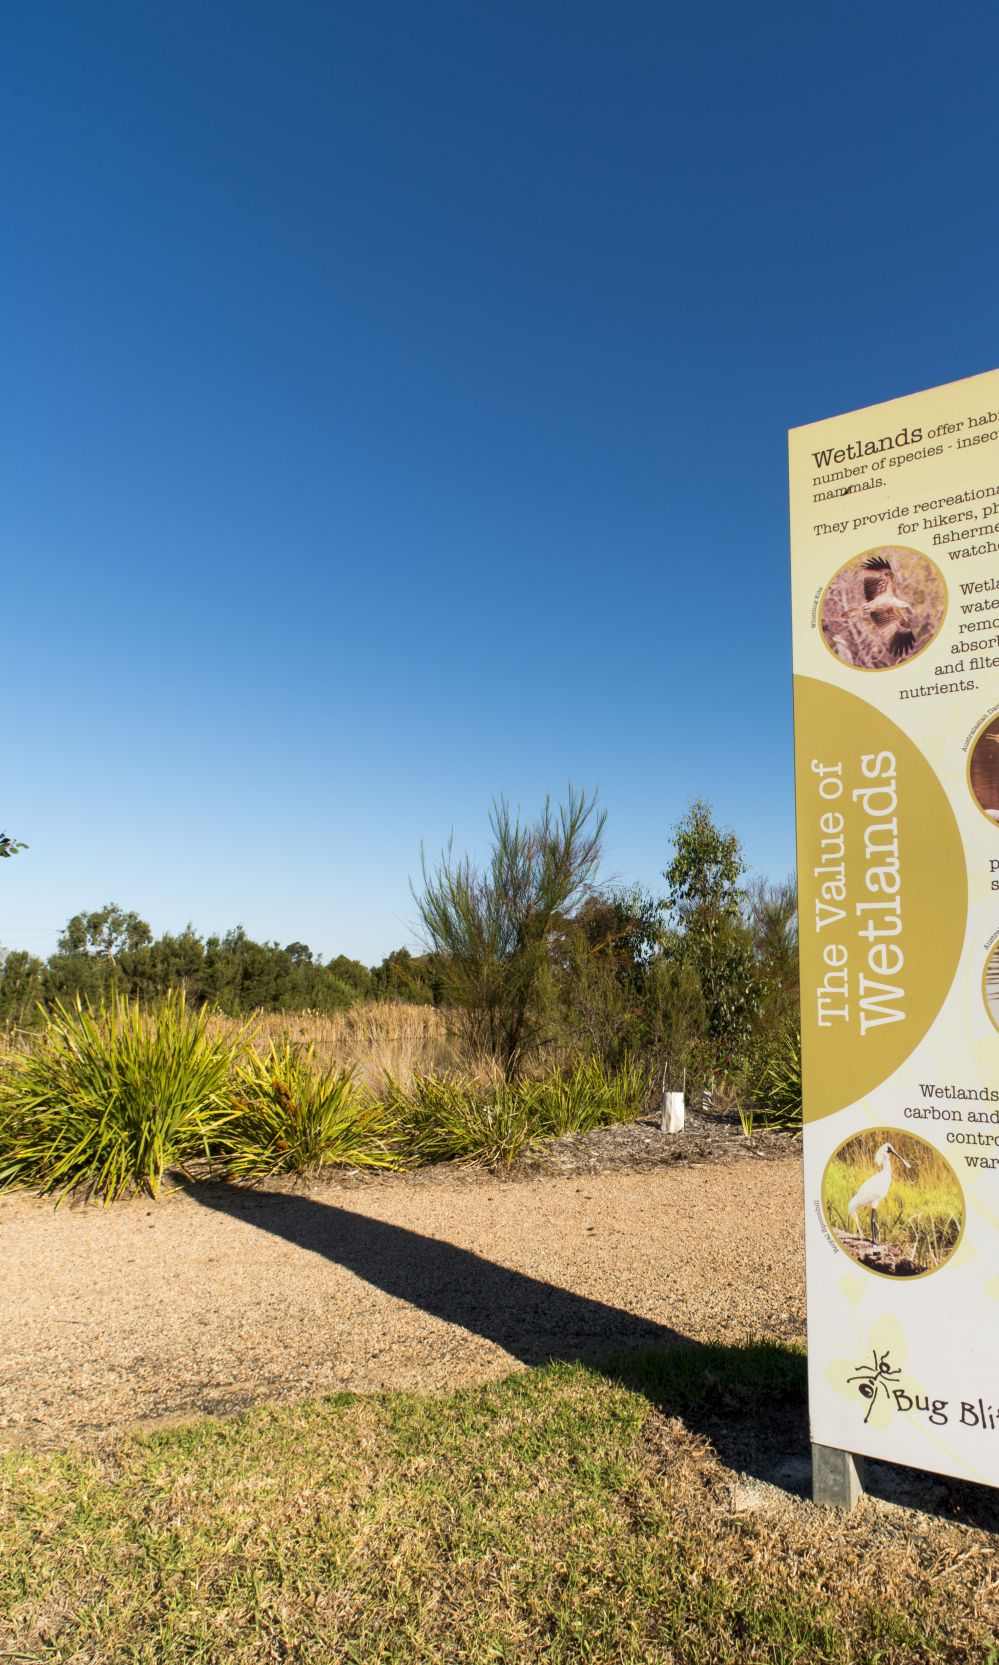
[[395, 408]]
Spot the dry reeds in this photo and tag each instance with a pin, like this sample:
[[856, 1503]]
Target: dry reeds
[[372, 1040]]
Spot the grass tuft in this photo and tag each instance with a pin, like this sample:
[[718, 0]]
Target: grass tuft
[[290, 1116], [445, 1118], [107, 1099]]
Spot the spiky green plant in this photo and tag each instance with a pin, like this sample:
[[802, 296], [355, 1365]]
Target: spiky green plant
[[590, 1095], [776, 1091], [291, 1117], [108, 1098], [444, 1119]]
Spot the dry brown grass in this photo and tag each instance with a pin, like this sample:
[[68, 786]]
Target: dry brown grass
[[372, 1039]]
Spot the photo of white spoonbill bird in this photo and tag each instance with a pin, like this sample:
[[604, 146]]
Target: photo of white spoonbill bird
[[883, 607], [893, 1202], [875, 1189]]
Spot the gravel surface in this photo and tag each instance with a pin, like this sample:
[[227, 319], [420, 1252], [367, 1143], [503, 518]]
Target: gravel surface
[[214, 1298]]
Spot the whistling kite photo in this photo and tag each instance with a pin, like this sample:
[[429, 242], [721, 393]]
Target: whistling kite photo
[[883, 607], [983, 771], [893, 1203]]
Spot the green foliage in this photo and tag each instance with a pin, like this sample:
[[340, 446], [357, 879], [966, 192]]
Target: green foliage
[[446, 1119], [413, 978], [107, 1099], [105, 932], [9, 846], [706, 899], [590, 1095], [291, 1117], [600, 962], [676, 1021], [20, 989], [490, 929], [110, 952], [774, 1086]]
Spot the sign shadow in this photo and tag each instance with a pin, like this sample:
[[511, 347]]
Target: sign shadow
[[534, 1321]]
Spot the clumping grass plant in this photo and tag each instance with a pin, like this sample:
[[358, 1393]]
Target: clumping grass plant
[[106, 1099], [446, 1119], [443, 1118], [587, 1096], [775, 1086], [290, 1116]]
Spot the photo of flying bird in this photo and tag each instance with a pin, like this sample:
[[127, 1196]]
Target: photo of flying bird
[[884, 608]]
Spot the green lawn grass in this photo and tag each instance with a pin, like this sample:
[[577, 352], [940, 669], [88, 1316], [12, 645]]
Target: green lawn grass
[[561, 1515]]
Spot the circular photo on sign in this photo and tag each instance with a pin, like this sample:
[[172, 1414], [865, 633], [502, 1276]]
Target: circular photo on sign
[[983, 771], [882, 608], [893, 1203], [990, 985]]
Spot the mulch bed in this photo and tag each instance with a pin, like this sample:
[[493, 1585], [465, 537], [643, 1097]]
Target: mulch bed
[[713, 1136], [708, 1136]]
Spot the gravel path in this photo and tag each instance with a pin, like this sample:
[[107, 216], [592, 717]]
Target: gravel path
[[215, 1298]]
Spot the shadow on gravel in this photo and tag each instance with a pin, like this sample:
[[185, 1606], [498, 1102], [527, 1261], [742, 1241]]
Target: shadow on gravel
[[749, 1401]]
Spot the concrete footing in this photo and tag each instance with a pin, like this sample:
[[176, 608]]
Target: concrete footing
[[837, 1477]]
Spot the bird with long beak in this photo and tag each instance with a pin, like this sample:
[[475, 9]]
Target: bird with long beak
[[874, 1190]]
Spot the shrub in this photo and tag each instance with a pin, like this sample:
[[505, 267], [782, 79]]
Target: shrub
[[775, 1086], [106, 1099], [590, 1096], [290, 1117], [444, 1119]]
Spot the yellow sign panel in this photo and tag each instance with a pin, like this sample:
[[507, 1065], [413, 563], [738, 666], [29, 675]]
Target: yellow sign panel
[[895, 587]]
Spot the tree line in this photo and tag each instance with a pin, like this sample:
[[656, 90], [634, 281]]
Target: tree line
[[526, 952], [114, 951]]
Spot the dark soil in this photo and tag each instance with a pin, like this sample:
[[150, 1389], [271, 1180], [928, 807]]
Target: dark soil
[[880, 1257]]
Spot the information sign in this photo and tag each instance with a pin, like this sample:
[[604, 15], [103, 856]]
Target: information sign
[[895, 587]]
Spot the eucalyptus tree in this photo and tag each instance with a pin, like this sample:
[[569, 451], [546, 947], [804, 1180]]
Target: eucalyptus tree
[[708, 899]]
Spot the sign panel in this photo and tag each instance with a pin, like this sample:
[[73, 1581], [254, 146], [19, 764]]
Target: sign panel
[[895, 590]]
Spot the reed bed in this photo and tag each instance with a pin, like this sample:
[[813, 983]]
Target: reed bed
[[373, 1040]]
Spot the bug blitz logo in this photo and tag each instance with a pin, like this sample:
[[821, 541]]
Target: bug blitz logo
[[878, 1381], [875, 1379]]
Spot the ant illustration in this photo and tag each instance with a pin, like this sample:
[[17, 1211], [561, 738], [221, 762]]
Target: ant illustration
[[873, 1379]]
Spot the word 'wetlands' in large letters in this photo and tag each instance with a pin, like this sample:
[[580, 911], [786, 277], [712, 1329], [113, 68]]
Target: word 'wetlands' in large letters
[[882, 894]]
